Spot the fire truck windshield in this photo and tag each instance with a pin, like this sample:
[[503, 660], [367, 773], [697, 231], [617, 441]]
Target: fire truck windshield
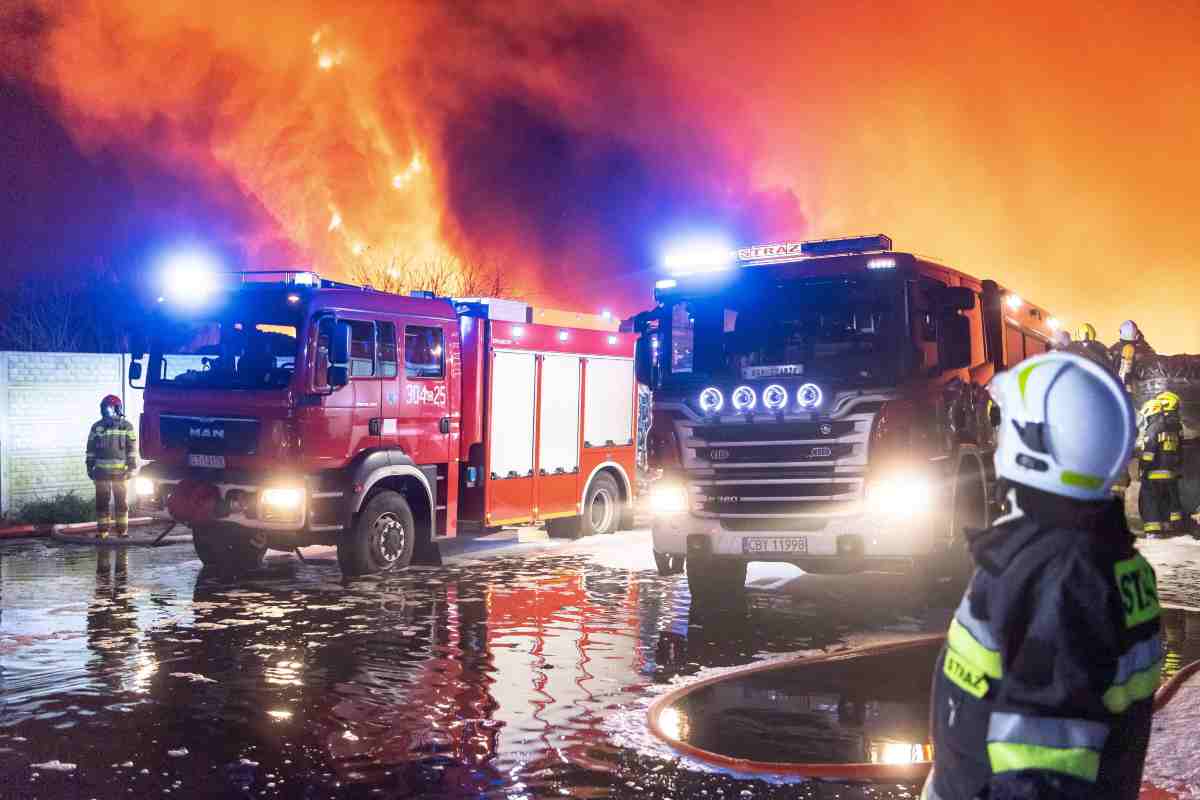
[[842, 329], [241, 349]]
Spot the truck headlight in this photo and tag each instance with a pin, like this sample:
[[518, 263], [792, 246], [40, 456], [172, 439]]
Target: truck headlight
[[282, 499], [900, 495], [143, 487], [670, 498], [281, 504], [711, 400]]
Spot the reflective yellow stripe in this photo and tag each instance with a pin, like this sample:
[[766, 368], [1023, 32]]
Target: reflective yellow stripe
[[1141, 686], [1176, 516], [1152, 527], [1077, 761], [1147, 456], [111, 463], [1161, 475], [966, 677], [1081, 480], [1138, 587], [985, 660]]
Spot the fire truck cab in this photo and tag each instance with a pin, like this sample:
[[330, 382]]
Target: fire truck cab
[[823, 404], [283, 410]]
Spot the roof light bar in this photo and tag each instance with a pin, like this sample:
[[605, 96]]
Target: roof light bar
[[853, 244]]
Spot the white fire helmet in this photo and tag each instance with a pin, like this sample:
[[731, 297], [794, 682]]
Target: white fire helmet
[[1129, 331], [1066, 426]]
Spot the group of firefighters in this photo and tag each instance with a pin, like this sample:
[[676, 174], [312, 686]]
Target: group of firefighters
[[1160, 441]]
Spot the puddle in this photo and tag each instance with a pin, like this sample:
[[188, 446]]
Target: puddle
[[873, 709]]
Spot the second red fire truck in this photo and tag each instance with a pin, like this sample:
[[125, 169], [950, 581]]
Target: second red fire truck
[[283, 409]]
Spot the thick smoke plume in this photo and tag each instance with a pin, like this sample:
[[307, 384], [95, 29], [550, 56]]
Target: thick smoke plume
[[1049, 146], [547, 137]]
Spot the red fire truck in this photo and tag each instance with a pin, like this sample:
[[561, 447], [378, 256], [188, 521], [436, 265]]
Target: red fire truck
[[283, 409], [823, 404]]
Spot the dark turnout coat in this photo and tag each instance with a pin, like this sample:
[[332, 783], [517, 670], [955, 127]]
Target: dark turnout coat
[[1045, 685]]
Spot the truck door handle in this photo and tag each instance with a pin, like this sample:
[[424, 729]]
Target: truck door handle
[[444, 425], [375, 427]]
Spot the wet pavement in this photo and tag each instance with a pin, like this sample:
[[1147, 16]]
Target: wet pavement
[[511, 674]]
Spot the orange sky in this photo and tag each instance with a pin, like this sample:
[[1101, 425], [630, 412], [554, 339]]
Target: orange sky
[[1050, 147]]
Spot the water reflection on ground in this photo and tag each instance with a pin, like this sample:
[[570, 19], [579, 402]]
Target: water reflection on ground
[[502, 677]]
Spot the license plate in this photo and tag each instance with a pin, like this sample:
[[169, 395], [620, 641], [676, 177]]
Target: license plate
[[774, 544], [210, 462]]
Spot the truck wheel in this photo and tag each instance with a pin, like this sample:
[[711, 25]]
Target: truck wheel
[[601, 507], [226, 550], [715, 580], [383, 537]]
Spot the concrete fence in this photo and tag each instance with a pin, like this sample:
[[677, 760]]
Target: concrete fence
[[48, 401]]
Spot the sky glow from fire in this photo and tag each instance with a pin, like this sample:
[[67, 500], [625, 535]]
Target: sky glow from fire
[[1050, 146]]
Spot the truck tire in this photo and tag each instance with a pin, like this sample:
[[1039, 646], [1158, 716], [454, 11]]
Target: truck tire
[[715, 580], [383, 537], [225, 550], [601, 507]]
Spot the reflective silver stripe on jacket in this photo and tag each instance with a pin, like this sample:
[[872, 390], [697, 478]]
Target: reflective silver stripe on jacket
[[974, 625], [1046, 731], [1141, 656]]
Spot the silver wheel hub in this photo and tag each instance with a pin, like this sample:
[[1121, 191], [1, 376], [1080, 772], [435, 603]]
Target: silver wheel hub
[[602, 510], [388, 537]]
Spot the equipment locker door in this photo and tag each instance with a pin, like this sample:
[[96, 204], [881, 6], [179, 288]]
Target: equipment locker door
[[558, 437], [510, 438]]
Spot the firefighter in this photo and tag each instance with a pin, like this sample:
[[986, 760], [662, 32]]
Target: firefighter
[[1129, 349], [1159, 501], [111, 461], [1045, 685], [1085, 344], [1060, 340]]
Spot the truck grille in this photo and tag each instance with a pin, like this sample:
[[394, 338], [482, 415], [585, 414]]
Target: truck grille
[[776, 474], [211, 435]]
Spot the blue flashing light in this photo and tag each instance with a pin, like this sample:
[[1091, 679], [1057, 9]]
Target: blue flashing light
[[190, 277], [853, 244], [699, 254], [666, 283]]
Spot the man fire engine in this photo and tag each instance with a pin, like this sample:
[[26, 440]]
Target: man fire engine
[[822, 403], [283, 409]]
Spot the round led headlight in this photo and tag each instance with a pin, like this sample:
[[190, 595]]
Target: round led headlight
[[809, 396], [711, 400], [744, 398], [775, 397]]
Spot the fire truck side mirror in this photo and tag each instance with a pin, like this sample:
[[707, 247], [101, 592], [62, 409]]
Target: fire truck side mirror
[[953, 342], [339, 348], [135, 375]]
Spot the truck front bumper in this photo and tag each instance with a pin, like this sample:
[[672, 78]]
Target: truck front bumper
[[856, 539]]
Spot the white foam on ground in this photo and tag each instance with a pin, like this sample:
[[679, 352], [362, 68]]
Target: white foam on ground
[[1173, 761]]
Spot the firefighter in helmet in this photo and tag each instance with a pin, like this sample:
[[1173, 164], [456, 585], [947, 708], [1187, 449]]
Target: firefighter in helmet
[[1129, 349], [1085, 344], [1159, 501], [112, 453], [1060, 340], [1044, 688]]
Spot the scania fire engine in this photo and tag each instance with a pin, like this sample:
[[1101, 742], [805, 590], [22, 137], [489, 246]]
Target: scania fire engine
[[283, 409], [823, 403]]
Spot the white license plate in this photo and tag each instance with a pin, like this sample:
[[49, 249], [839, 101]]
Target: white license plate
[[774, 544], [211, 462]]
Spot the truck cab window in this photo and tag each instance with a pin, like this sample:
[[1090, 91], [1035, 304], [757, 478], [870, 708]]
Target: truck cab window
[[387, 349], [424, 355], [362, 349]]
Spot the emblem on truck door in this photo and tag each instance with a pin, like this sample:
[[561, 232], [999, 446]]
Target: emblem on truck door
[[826, 429]]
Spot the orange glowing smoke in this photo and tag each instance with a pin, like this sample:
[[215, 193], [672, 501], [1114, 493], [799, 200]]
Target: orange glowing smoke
[[1051, 146]]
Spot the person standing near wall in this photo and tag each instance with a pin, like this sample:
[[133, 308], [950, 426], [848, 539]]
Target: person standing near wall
[[111, 460]]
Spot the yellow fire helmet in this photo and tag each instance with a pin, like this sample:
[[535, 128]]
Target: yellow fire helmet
[[1168, 402], [1085, 333]]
